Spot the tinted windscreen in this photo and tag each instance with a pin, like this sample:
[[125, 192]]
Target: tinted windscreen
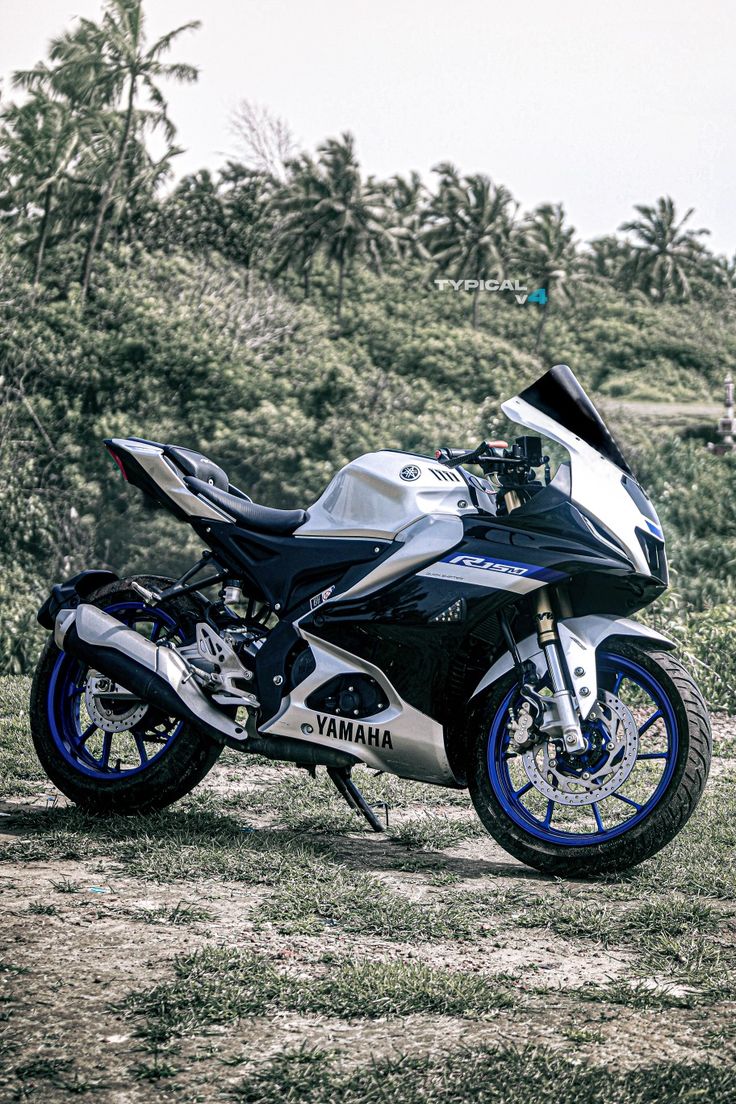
[[559, 395]]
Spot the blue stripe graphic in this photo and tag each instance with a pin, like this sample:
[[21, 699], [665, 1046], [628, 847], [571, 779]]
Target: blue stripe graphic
[[512, 568]]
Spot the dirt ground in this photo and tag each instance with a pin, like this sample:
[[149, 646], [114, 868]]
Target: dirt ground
[[599, 971]]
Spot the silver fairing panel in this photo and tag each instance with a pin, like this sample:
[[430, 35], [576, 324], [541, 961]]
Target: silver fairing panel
[[168, 478], [399, 739]]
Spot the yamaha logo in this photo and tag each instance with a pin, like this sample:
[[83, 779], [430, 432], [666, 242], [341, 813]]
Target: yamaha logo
[[410, 472]]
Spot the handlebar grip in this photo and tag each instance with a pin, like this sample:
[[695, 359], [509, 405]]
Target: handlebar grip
[[451, 453]]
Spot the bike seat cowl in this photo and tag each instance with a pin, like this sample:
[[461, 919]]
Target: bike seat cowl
[[195, 464], [249, 514]]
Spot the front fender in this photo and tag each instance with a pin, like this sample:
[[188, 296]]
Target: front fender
[[579, 639]]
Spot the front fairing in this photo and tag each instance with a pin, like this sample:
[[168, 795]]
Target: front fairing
[[600, 483]]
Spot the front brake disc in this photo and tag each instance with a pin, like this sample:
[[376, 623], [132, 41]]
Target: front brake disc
[[613, 739]]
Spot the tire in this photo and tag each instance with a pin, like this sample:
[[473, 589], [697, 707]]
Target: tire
[[185, 757], [682, 731]]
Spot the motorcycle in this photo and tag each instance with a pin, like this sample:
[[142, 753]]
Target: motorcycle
[[462, 629]]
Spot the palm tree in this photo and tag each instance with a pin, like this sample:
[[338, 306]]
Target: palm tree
[[468, 228], [350, 216], [606, 259], [41, 139], [665, 257], [297, 237], [130, 67], [406, 199], [327, 207], [245, 196], [549, 254], [99, 70]]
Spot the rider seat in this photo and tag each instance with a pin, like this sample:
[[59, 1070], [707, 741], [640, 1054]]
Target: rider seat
[[263, 519]]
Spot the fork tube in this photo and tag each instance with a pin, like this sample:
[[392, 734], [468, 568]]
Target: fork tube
[[549, 642]]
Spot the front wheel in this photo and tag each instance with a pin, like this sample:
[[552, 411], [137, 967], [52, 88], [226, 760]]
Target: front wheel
[[625, 797], [104, 749]]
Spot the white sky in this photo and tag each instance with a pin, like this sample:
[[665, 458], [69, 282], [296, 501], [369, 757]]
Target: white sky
[[598, 104]]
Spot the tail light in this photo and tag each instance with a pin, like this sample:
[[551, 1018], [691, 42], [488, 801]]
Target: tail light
[[119, 462]]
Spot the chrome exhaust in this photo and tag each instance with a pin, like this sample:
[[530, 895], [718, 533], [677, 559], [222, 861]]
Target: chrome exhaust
[[155, 673], [160, 676]]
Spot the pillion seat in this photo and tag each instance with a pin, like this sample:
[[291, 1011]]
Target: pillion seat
[[280, 523]]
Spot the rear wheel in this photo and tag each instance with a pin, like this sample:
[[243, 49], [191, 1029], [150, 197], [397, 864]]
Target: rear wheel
[[649, 747], [105, 749]]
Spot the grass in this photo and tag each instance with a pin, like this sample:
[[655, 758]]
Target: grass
[[434, 832], [305, 900], [490, 1076], [342, 925], [180, 913], [20, 771], [219, 986]]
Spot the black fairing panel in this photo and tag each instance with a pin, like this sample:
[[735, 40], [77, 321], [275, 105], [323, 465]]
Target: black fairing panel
[[286, 570], [434, 664], [559, 395]]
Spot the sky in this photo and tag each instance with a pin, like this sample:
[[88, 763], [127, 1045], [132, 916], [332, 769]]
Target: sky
[[597, 105]]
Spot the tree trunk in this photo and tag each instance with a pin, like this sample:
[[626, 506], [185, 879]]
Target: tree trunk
[[340, 287], [107, 193], [43, 235], [543, 320]]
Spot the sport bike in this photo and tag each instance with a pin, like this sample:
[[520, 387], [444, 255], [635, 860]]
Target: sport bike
[[463, 628]]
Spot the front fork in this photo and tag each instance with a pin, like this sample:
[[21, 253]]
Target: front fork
[[549, 643]]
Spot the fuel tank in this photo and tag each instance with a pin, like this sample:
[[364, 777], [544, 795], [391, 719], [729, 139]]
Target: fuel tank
[[381, 493]]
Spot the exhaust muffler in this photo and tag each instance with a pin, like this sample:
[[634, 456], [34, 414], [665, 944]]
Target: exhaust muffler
[[154, 673], [158, 675]]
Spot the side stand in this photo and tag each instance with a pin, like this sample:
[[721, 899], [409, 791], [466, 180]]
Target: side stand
[[345, 785]]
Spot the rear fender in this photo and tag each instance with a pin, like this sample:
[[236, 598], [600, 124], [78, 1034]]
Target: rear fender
[[580, 637], [72, 592]]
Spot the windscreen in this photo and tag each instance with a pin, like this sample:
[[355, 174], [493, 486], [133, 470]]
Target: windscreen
[[559, 395]]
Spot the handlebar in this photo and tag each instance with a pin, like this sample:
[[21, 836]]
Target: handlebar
[[453, 456], [513, 463]]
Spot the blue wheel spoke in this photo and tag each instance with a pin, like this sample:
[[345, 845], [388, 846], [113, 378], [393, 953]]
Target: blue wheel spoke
[[106, 749], [597, 815], [628, 801], [140, 744], [615, 672], [650, 721], [72, 728], [87, 733]]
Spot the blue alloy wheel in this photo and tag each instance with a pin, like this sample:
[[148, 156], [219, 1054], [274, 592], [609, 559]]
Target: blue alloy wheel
[[82, 742], [594, 822]]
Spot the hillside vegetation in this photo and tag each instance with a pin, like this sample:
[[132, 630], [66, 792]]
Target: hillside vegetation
[[283, 316]]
